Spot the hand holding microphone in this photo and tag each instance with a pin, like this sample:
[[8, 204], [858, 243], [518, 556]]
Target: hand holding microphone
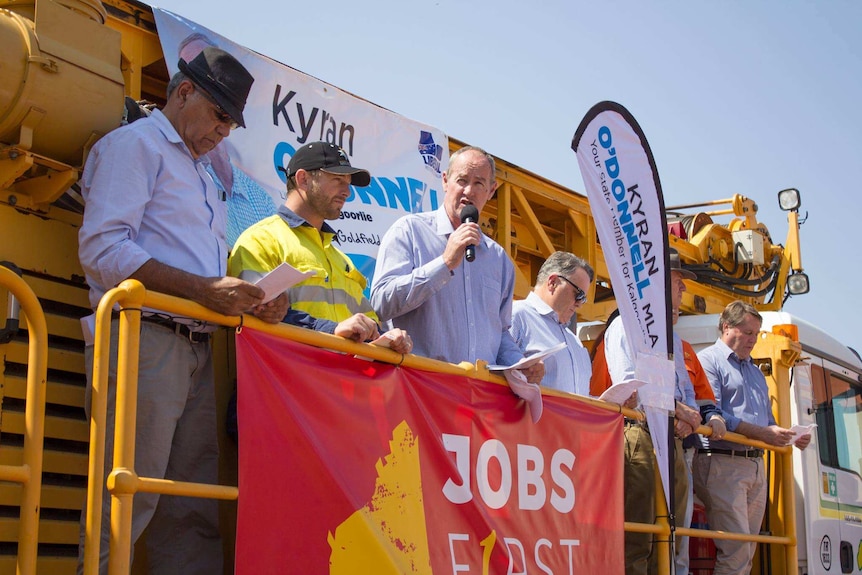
[[461, 244], [469, 214]]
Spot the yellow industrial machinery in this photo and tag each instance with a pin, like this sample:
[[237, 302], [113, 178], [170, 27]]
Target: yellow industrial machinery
[[65, 67]]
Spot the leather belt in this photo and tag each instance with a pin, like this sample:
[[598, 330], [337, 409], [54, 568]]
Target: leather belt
[[749, 453], [630, 422], [180, 329]]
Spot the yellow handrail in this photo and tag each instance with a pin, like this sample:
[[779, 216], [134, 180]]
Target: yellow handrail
[[29, 474], [123, 482]]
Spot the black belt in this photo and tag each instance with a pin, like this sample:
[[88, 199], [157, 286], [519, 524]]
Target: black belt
[[631, 422], [749, 453], [180, 329]]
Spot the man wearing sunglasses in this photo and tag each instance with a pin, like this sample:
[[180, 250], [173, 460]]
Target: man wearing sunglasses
[[153, 213], [542, 321]]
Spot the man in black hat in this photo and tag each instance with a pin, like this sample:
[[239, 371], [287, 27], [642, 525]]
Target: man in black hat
[[319, 176], [153, 213]]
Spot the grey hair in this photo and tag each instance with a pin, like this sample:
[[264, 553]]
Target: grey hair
[[176, 80], [488, 157], [563, 264], [734, 314]]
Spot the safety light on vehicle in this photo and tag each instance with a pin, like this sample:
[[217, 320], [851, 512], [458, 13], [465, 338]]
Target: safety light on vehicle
[[797, 284], [789, 200]]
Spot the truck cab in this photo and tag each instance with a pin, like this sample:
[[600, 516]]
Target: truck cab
[[825, 388]]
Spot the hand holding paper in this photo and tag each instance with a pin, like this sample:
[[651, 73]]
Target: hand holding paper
[[620, 392], [529, 392], [280, 280], [395, 339], [799, 431], [529, 361]]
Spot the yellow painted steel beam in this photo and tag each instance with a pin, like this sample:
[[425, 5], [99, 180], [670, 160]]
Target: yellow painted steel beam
[[57, 393], [34, 421], [53, 462], [532, 222], [53, 497], [55, 427], [62, 359], [782, 353], [661, 543]]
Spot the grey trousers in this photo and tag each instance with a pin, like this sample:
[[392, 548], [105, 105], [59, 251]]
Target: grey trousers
[[176, 439]]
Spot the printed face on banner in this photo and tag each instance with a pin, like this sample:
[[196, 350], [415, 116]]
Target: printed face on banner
[[287, 109], [362, 467]]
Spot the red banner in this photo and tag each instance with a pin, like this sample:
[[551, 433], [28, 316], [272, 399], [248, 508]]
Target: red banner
[[352, 466]]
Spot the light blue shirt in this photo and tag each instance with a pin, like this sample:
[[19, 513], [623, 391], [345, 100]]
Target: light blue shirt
[[535, 328], [462, 315], [740, 389], [146, 198], [621, 365]]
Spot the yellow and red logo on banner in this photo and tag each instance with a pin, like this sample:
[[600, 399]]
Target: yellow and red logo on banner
[[352, 466]]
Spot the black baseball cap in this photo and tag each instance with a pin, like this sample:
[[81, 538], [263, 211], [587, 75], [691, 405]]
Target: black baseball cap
[[328, 158]]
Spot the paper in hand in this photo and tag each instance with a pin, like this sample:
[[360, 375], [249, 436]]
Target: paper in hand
[[529, 392], [800, 430], [620, 392], [280, 279], [531, 360]]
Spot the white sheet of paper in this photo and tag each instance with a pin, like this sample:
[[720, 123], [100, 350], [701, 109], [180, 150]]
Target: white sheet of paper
[[658, 371], [280, 279], [528, 361], [620, 392], [529, 392], [382, 341], [800, 430]]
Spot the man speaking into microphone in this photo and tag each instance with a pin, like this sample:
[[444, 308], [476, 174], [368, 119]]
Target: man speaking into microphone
[[444, 281]]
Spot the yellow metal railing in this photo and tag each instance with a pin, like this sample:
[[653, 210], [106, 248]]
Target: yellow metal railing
[[662, 529], [123, 482], [29, 473]]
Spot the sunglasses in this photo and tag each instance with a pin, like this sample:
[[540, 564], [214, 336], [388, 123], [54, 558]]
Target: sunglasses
[[580, 295], [220, 114]]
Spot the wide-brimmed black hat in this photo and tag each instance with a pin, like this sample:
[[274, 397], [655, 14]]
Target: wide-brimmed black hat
[[676, 266], [222, 77], [329, 158]]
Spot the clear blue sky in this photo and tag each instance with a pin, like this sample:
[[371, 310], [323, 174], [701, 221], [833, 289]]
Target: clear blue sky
[[734, 97]]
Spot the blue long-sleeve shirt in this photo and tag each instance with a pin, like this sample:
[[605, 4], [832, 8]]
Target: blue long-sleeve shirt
[[740, 389], [453, 316]]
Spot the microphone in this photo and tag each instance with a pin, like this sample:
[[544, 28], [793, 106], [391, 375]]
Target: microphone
[[470, 214]]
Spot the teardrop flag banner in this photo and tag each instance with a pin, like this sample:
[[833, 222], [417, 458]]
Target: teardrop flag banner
[[626, 201]]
